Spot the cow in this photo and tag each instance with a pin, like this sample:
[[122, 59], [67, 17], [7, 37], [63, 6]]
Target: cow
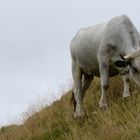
[[104, 50]]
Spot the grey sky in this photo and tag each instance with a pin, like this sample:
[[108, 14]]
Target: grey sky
[[34, 45]]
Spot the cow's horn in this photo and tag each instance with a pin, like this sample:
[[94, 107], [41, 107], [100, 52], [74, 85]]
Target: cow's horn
[[132, 55]]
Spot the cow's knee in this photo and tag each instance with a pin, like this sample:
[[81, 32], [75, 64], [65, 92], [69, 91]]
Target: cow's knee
[[105, 87]]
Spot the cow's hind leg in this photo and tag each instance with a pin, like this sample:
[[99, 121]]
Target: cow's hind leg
[[86, 81], [126, 92], [77, 90]]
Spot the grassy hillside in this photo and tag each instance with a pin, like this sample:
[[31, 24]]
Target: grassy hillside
[[120, 122]]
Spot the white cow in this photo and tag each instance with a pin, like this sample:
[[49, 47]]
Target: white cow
[[104, 50]]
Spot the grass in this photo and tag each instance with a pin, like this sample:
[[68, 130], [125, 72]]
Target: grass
[[120, 122]]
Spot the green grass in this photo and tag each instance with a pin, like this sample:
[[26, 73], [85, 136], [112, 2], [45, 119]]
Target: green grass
[[120, 122]]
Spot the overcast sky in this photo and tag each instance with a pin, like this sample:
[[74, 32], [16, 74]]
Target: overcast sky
[[34, 46]]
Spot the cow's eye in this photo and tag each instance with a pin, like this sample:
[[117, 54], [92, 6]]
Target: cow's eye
[[135, 70]]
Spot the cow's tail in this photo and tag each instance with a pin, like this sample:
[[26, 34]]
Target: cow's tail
[[73, 101]]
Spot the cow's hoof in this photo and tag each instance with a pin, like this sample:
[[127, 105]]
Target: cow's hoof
[[79, 113], [126, 95], [103, 107]]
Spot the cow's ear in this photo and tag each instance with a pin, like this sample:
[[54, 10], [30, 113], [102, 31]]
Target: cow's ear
[[121, 63]]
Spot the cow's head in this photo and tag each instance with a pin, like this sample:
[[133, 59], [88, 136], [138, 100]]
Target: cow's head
[[132, 61]]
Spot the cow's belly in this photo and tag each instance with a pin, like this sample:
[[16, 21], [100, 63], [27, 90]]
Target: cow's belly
[[93, 69]]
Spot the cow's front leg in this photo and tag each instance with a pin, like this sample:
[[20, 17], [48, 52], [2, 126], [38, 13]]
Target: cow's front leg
[[104, 75]]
